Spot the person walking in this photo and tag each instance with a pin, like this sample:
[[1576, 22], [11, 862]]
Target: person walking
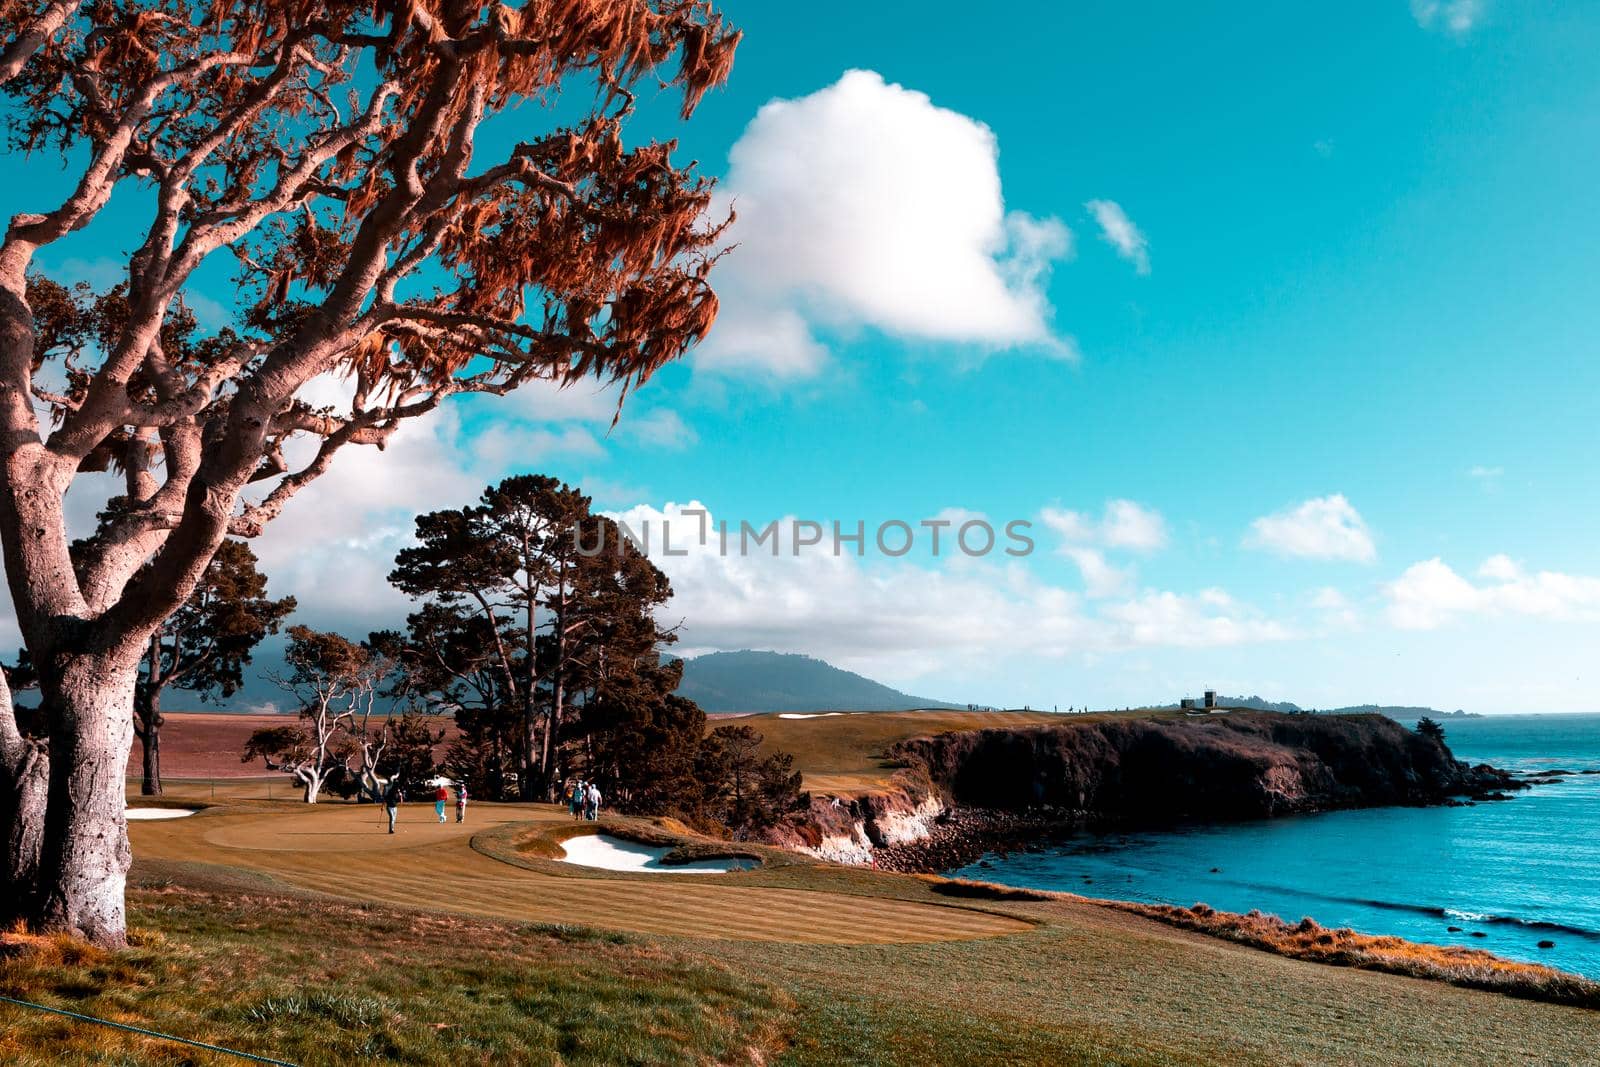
[[392, 796], [441, 797], [577, 798], [594, 802], [461, 802]]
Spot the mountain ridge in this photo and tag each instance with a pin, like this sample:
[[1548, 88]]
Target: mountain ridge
[[759, 680]]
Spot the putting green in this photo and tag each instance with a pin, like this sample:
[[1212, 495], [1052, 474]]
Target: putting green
[[343, 850]]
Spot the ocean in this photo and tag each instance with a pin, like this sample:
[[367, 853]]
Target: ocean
[[1516, 872]]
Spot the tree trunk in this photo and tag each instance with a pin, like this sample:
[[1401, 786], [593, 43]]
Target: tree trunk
[[558, 699], [22, 808], [147, 709], [313, 787], [84, 863], [527, 788]]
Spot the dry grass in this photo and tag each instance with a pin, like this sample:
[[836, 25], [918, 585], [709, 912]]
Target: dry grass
[[1307, 940], [845, 754], [830, 964], [341, 984]]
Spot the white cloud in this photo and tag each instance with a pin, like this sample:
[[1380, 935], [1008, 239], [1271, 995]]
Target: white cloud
[[1431, 593], [1326, 527], [1123, 524], [1500, 567], [865, 205], [335, 543], [542, 400], [1454, 16], [896, 618], [1128, 525], [1118, 230], [660, 428], [1208, 619], [1335, 608], [1100, 577]]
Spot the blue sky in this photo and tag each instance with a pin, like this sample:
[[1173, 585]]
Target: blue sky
[[1339, 371]]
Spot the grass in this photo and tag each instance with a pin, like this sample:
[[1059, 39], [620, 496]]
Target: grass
[[845, 753], [1307, 940], [340, 850], [346, 984], [341, 983], [466, 951]]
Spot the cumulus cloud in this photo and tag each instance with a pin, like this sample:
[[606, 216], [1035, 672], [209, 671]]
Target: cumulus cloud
[[1326, 527], [1453, 16], [900, 619], [1101, 578], [866, 205], [1118, 230], [1123, 524], [1207, 619], [1430, 593], [335, 543]]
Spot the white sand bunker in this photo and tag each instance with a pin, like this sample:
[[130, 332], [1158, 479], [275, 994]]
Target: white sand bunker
[[615, 854], [160, 813], [808, 714]]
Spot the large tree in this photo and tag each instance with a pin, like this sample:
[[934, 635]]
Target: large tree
[[488, 570], [331, 149], [205, 645]]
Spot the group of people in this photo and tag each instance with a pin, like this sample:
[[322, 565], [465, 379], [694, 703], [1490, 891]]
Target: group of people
[[583, 800], [393, 795], [442, 797]]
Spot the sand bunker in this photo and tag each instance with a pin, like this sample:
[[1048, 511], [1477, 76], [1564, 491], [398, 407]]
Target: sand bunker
[[160, 813], [615, 854], [808, 714]]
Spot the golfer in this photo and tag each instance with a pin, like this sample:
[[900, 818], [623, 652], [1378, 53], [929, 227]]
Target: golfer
[[577, 797], [461, 802], [392, 796], [440, 799]]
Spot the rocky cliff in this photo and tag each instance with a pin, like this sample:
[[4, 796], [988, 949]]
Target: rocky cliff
[[963, 789]]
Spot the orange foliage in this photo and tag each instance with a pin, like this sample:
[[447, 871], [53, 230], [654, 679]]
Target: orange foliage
[[1307, 940]]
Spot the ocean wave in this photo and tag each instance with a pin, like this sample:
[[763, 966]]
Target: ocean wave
[[1456, 914]]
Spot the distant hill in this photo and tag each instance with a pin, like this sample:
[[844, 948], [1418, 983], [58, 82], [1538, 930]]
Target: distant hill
[[777, 681], [1393, 711]]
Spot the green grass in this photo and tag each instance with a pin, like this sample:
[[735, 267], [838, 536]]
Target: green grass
[[318, 982], [343, 984]]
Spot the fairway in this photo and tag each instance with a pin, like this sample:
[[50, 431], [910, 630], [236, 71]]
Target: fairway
[[342, 850], [876, 966]]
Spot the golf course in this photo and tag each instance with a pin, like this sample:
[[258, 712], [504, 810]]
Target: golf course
[[308, 934]]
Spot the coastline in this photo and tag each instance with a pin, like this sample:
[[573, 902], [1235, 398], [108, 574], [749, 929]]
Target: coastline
[[961, 794]]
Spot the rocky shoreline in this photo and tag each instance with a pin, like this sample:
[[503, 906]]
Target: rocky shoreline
[[965, 835], [963, 795], [962, 836]]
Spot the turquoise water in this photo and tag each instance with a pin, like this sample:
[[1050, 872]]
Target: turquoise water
[[1517, 871]]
